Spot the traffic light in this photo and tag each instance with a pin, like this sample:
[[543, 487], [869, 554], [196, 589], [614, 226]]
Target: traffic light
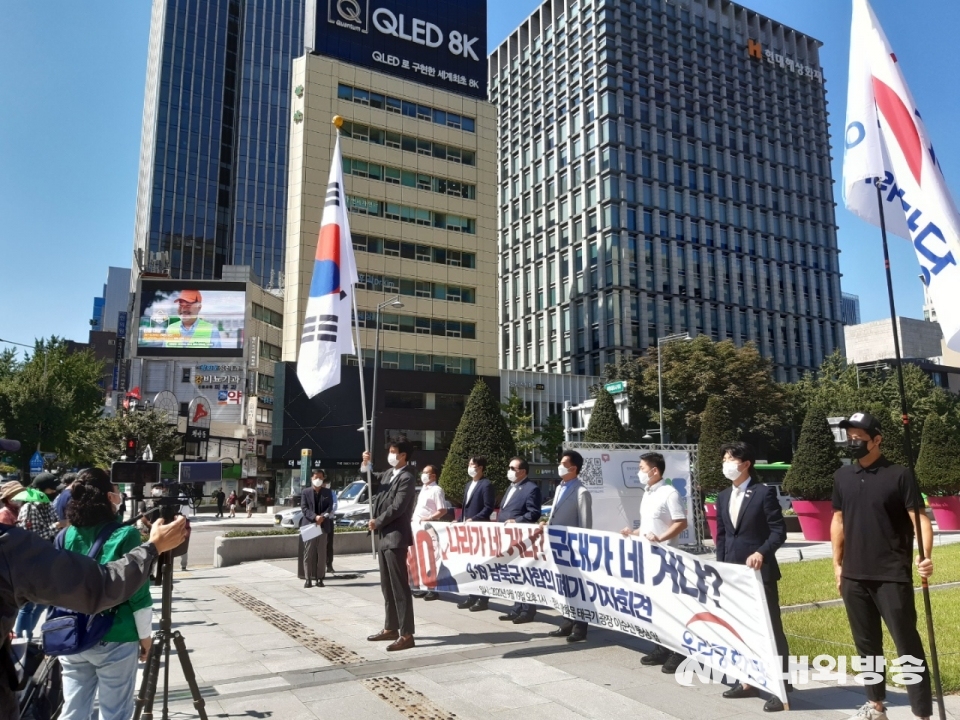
[[131, 448]]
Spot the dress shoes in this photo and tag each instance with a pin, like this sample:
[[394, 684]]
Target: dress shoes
[[509, 617], [739, 691], [384, 635], [773, 705], [404, 643], [320, 583], [672, 663], [562, 631], [576, 637], [307, 584], [431, 596], [464, 604], [657, 657], [524, 618], [479, 605], [419, 593]]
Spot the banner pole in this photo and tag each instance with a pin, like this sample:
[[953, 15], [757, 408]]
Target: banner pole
[[363, 410], [908, 450]]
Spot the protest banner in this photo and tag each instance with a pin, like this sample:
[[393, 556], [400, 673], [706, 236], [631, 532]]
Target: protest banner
[[714, 612]]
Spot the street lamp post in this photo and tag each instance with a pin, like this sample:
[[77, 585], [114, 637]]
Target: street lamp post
[[680, 337], [394, 303]]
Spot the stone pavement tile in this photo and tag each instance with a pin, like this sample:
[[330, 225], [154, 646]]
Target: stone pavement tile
[[605, 673], [267, 641], [362, 706], [546, 711], [588, 700], [212, 657], [454, 673], [491, 692], [250, 685], [291, 660], [227, 671], [280, 706], [524, 671], [692, 703], [329, 691]]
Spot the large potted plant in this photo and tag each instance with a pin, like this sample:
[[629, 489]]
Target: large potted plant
[[809, 481], [938, 472], [716, 429]]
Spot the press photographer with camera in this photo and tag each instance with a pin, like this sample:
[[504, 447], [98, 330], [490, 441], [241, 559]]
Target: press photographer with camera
[[32, 570]]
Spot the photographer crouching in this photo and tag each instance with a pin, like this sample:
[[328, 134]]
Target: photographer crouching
[[32, 570]]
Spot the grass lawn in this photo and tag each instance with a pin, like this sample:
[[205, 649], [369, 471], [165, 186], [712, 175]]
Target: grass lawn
[[825, 632], [812, 580]]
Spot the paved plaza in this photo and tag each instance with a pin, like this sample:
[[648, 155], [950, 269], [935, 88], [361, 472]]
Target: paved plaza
[[263, 646]]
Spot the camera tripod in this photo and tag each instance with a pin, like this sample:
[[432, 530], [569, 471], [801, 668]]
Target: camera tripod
[[161, 647]]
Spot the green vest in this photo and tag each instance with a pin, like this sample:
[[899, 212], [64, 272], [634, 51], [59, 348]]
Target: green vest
[[202, 335]]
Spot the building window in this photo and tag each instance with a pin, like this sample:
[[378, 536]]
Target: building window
[[267, 315], [408, 143], [397, 399], [409, 214], [404, 107], [271, 352]]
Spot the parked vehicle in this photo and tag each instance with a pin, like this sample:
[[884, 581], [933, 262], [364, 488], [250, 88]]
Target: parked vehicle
[[352, 504]]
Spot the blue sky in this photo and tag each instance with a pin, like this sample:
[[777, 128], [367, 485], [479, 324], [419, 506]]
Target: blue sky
[[71, 99]]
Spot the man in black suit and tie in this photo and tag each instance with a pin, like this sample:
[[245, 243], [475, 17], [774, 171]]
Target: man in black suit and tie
[[316, 508], [750, 530], [521, 504], [478, 502], [391, 512]]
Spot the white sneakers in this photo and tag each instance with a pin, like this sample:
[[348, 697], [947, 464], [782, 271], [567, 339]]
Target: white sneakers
[[869, 712]]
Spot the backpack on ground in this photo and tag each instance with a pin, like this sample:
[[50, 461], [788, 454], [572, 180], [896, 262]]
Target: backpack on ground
[[68, 632]]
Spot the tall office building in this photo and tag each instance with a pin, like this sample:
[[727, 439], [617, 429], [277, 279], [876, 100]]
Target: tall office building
[[213, 154], [851, 309], [664, 168], [419, 160]]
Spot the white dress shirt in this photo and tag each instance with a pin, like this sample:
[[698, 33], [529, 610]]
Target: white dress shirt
[[659, 509], [509, 495], [430, 501], [470, 489], [736, 500]]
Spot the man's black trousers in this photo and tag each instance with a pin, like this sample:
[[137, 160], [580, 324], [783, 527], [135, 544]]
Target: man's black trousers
[[869, 601], [395, 586]]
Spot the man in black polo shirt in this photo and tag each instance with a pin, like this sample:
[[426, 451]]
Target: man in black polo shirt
[[872, 535]]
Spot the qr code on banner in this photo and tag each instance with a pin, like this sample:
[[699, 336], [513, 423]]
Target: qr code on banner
[[592, 473]]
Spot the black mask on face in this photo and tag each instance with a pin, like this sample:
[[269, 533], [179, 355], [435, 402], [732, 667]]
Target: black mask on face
[[858, 448]]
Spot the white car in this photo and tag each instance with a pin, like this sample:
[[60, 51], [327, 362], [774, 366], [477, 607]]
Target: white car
[[352, 506]]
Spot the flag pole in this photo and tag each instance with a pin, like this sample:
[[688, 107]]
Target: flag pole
[[338, 122], [908, 450]]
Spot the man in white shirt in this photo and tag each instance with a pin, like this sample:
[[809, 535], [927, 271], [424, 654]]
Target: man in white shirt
[[662, 519], [431, 505]]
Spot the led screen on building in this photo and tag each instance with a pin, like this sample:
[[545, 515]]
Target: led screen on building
[[440, 44], [191, 318]]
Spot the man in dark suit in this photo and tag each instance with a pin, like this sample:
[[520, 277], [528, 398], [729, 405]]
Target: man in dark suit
[[521, 504], [750, 530], [391, 513], [316, 508], [479, 498]]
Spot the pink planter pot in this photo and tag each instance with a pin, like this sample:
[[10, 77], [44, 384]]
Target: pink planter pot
[[710, 514], [815, 517], [946, 511]]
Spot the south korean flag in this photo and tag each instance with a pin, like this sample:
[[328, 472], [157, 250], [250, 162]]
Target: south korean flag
[[327, 326]]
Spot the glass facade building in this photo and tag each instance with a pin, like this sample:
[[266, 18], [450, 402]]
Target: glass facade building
[[664, 168], [213, 158]]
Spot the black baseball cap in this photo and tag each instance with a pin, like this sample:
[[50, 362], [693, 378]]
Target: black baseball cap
[[863, 421]]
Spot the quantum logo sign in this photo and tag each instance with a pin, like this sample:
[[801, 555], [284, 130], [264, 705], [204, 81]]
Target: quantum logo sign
[[349, 14]]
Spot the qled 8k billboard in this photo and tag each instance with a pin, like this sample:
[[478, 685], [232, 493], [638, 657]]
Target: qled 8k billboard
[[442, 44], [190, 318]]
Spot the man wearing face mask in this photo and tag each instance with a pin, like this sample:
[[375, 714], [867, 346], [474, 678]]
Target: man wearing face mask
[[521, 504], [572, 507], [662, 519], [431, 505], [391, 513], [872, 533], [316, 508], [479, 499], [750, 530]]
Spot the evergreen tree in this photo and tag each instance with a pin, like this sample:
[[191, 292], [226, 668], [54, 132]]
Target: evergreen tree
[[891, 430], [816, 459], [938, 467], [716, 429], [520, 423], [482, 431], [101, 441], [550, 438], [604, 426]]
